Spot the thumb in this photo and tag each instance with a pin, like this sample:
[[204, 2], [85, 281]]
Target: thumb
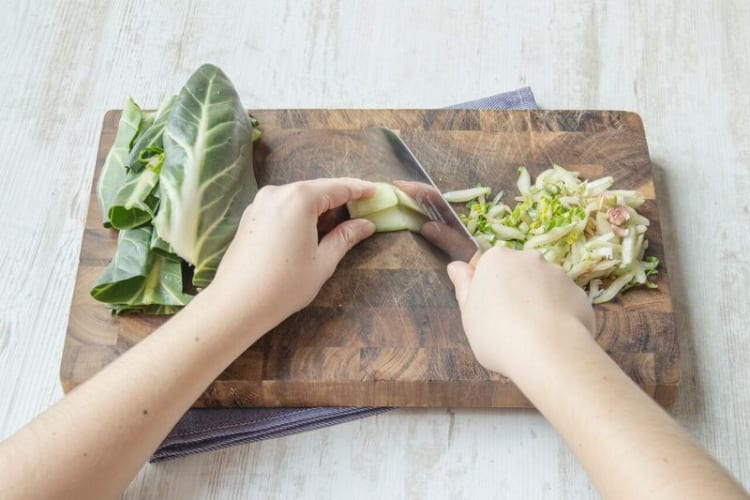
[[461, 275], [341, 239]]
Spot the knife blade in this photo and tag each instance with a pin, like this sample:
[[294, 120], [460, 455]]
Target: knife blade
[[444, 229]]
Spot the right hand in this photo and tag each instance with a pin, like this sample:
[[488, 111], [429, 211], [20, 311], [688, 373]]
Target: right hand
[[514, 304]]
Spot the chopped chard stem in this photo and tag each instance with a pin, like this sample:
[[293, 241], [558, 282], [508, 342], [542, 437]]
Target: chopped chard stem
[[593, 233]]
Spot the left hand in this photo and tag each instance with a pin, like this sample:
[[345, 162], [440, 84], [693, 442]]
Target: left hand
[[275, 261]]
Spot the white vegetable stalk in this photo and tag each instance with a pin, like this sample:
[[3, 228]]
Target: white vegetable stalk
[[507, 233], [390, 209], [384, 197], [613, 289], [396, 219], [598, 186], [465, 195], [524, 181]]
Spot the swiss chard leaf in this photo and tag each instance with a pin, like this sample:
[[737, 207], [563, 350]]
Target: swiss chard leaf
[[138, 277], [136, 200], [158, 245], [150, 142], [112, 176], [207, 179]]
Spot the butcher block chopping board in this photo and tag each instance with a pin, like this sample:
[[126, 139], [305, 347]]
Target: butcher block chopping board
[[386, 330]]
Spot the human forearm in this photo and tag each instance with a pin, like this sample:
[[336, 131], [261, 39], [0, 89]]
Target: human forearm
[[528, 320], [93, 442], [627, 444]]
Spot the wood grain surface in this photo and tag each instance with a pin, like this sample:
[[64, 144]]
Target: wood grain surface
[[385, 330], [680, 64]]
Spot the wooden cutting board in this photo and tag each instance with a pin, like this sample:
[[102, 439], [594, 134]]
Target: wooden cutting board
[[385, 330]]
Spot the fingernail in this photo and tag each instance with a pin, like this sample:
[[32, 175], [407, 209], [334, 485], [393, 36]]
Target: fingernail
[[451, 271], [366, 226]]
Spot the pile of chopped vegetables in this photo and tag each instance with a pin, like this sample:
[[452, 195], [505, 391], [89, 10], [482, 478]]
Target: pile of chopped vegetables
[[593, 233]]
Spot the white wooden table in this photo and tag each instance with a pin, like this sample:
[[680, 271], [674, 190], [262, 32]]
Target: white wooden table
[[681, 64]]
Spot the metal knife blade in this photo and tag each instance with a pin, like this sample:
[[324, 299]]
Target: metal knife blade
[[444, 229]]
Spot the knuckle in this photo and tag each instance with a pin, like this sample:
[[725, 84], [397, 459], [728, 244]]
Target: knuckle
[[246, 214], [326, 202], [496, 253], [286, 195], [348, 237], [265, 192], [493, 251], [299, 191], [296, 188]]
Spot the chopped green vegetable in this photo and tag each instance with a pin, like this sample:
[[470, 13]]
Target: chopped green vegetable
[[594, 234]]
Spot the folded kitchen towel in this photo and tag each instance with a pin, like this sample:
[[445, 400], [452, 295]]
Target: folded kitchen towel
[[203, 430], [522, 98]]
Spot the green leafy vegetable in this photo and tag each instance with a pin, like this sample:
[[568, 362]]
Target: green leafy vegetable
[[207, 178], [136, 200], [256, 131], [161, 246], [137, 277], [189, 165], [151, 141], [113, 171], [593, 233]]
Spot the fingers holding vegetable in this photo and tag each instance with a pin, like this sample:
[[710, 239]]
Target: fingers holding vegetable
[[461, 275], [333, 193], [514, 301], [341, 239], [277, 258]]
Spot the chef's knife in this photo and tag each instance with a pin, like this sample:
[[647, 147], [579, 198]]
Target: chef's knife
[[444, 229]]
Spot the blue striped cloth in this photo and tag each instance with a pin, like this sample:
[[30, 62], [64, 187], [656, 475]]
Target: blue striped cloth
[[517, 99], [203, 430]]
